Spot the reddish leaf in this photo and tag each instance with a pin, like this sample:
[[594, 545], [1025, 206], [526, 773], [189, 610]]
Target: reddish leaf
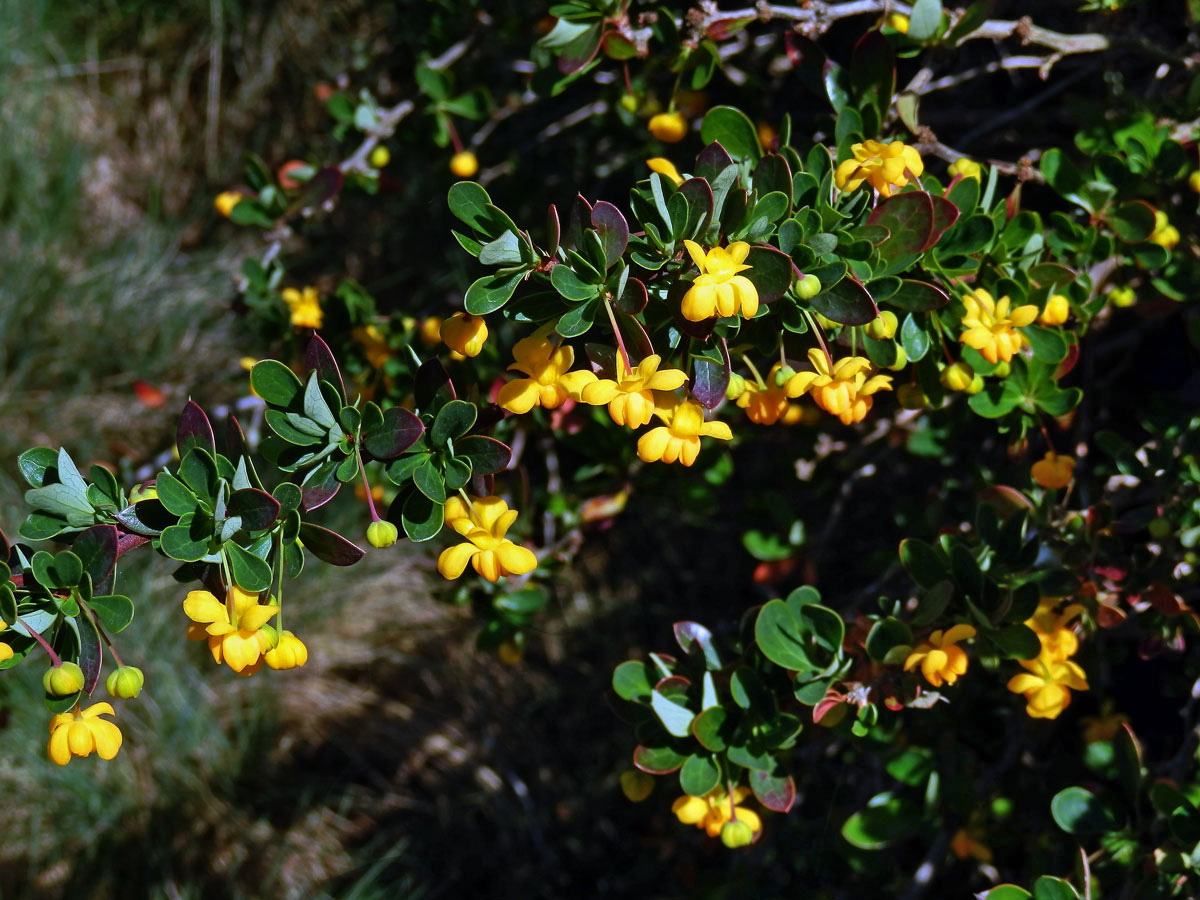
[[909, 219], [319, 358], [775, 792], [613, 230], [329, 546], [194, 430]]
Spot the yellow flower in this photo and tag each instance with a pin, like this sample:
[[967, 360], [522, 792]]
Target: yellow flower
[[486, 548], [1165, 234], [430, 331], [226, 201], [454, 509], [374, 345], [1194, 181], [665, 168], [1058, 308], [991, 325], [714, 809], [967, 168], [305, 307], [464, 164], [79, 733], [898, 21], [669, 127], [1103, 727], [464, 333], [234, 629], [939, 657], [1052, 628], [630, 398], [765, 405], [289, 653], [679, 439], [843, 390], [719, 289], [549, 383], [883, 166], [1047, 686], [1054, 471]]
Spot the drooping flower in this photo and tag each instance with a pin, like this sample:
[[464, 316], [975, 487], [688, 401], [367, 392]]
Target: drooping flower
[[630, 398], [486, 548], [288, 653], [842, 390], [764, 405], [1054, 470], [991, 327], [668, 127], [465, 333], [719, 290], [883, 166], [1053, 629], [666, 169], [1165, 234], [965, 167], [549, 383], [79, 733], [714, 809], [226, 201], [1047, 686], [939, 656], [679, 438], [1058, 308], [234, 629], [305, 307]]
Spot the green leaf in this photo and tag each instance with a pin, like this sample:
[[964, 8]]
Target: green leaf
[[503, 251], [469, 202], [918, 296], [712, 729], [67, 569], [453, 421], [925, 19], [8, 605], [41, 527], [35, 463], [733, 130], [421, 518], [887, 818], [276, 383], [775, 792], [257, 509], [846, 302], [429, 481], [925, 564], [914, 338], [249, 572], [1131, 221], [770, 272], [295, 428], [658, 760], [491, 292], [61, 500], [1048, 344], [1077, 810], [564, 280], [675, 717], [1050, 888], [1017, 641], [315, 407], [115, 611], [632, 681], [189, 540], [886, 634], [1007, 892], [995, 400], [780, 635], [578, 320], [699, 775], [487, 455]]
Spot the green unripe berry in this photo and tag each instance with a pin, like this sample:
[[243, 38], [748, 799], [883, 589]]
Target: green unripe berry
[[737, 387], [901, 360], [736, 834], [1122, 296], [782, 374], [957, 377], [125, 683], [883, 326], [911, 397], [809, 287], [64, 680], [1160, 528], [629, 102], [382, 534]]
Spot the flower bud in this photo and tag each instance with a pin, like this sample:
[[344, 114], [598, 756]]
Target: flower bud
[[898, 22], [883, 326], [911, 397], [226, 201], [1122, 296], [289, 651], [669, 127], [382, 534], [1057, 309], [465, 333], [901, 360], [967, 168], [976, 385], [1194, 181], [63, 680], [809, 287], [636, 785], [957, 377], [629, 102], [736, 834], [1002, 370], [380, 157], [464, 164], [782, 374], [737, 386], [125, 683]]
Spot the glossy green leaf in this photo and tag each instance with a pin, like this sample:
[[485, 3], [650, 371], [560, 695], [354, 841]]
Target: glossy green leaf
[[249, 572], [276, 383], [733, 130], [1076, 810], [115, 611], [491, 292], [699, 775]]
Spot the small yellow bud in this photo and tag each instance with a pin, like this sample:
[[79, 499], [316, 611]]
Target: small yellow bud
[[901, 360], [226, 201], [899, 22], [911, 396], [737, 387], [629, 102], [464, 164], [967, 168], [1122, 297], [1194, 181], [957, 377], [125, 683], [63, 680], [382, 534], [809, 287], [883, 326], [1058, 308], [736, 834], [380, 157], [636, 785], [976, 385], [669, 127], [465, 333]]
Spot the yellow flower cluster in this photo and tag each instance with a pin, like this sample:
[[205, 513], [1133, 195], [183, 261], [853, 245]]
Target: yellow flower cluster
[[630, 398], [991, 327], [940, 657], [711, 812], [842, 389], [1051, 676], [305, 307], [719, 289], [883, 166], [484, 523], [79, 733], [1054, 470], [549, 383], [238, 634]]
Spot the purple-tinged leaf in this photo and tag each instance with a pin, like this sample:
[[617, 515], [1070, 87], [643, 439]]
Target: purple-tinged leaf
[[710, 380], [613, 230], [775, 792], [945, 214], [918, 296], [657, 760], [909, 220], [91, 651], [693, 635], [319, 358], [712, 161], [553, 231], [235, 439], [320, 486], [399, 431], [773, 174], [97, 550], [634, 298], [329, 546], [846, 303], [699, 196], [581, 214], [194, 430], [579, 52], [487, 455], [258, 509], [873, 70], [317, 191], [431, 381], [770, 272]]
